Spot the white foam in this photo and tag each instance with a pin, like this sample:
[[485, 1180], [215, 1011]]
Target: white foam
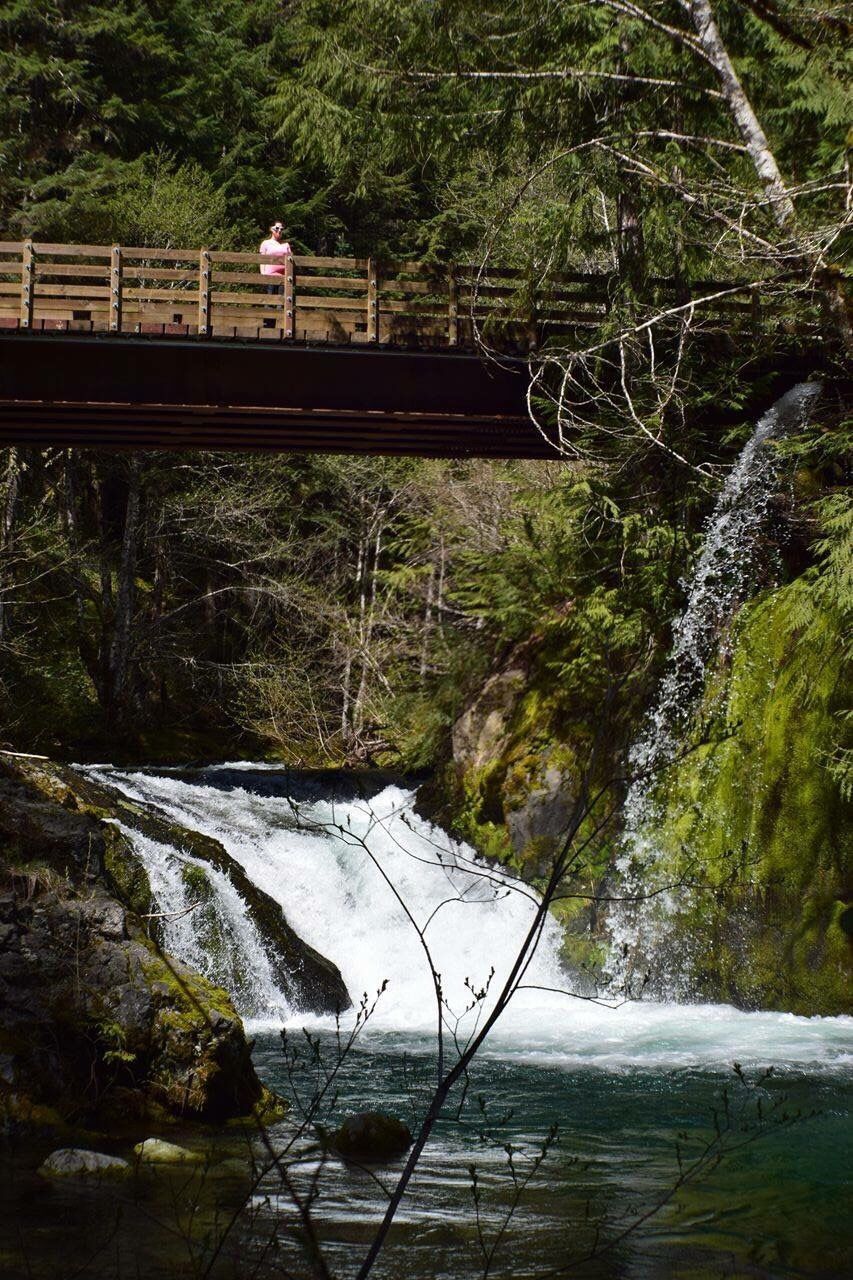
[[339, 882]]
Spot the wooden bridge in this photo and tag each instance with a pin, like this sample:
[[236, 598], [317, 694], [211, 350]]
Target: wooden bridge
[[107, 345]]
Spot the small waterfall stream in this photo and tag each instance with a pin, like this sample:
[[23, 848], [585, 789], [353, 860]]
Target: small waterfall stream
[[205, 924], [348, 875], [722, 581]]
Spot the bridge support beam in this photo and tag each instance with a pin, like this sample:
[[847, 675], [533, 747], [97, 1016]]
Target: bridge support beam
[[102, 390]]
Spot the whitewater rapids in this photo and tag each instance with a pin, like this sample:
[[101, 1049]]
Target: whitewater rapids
[[347, 872]]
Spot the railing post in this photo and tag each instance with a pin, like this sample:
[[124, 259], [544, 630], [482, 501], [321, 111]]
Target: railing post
[[372, 301], [115, 289], [452, 309], [204, 290], [289, 297], [28, 284]]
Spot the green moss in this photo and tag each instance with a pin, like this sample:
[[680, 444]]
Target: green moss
[[191, 999], [270, 1109], [125, 874], [761, 817], [196, 880]]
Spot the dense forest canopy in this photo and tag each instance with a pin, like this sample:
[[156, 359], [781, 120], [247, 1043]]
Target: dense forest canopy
[[407, 125], [343, 608]]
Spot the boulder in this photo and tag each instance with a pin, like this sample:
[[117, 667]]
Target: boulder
[[371, 1137], [157, 1151], [482, 732], [74, 1162]]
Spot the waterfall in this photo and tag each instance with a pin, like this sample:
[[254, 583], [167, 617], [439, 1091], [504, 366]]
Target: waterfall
[[722, 581], [204, 922], [334, 865], [353, 878]]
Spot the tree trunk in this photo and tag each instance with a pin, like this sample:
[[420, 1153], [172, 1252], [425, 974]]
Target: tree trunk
[[346, 724], [755, 140], [119, 653], [427, 627], [7, 520], [367, 632]]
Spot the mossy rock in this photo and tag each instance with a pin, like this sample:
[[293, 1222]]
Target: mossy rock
[[269, 1110], [371, 1137], [126, 875], [764, 819], [197, 882], [158, 1151], [93, 1012], [199, 1063]]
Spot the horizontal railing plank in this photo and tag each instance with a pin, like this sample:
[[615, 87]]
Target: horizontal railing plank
[[305, 300], [412, 286], [62, 269], [158, 273], [225, 298], [162, 295], [72, 291], [72, 250], [137, 253], [221, 277], [332, 282], [222, 255], [298, 259], [346, 264]]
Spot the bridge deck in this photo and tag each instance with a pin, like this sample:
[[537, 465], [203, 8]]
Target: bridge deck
[[144, 347]]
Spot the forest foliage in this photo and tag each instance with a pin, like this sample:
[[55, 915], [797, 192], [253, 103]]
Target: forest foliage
[[334, 609]]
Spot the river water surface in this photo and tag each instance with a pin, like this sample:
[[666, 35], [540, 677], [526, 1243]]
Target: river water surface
[[633, 1094]]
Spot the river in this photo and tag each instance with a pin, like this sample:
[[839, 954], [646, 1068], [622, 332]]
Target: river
[[636, 1091]]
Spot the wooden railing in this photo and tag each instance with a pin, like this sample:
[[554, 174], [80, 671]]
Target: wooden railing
[[222, 294]]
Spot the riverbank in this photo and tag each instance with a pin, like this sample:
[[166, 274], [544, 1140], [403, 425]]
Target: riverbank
[[99, 1024]]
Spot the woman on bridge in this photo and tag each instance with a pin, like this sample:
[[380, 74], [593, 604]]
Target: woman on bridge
[[276, 245]]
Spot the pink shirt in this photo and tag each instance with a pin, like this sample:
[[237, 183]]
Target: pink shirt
[[274, 246]]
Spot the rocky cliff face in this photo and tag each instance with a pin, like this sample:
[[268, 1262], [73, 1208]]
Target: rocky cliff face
[[512, 773], [94, 1019], [756, 824]]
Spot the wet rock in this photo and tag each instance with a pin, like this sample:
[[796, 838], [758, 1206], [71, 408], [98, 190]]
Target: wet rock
[[508, 768], [543, 817], [91, 1010], [310, 980], [157, 1151], [73, 1162], [371, 1136], [482, 732], [39, 837]]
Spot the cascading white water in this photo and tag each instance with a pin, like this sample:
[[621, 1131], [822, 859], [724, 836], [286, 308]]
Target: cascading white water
[[205, 923], [721, 582], [342, 872], [335, 881]]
